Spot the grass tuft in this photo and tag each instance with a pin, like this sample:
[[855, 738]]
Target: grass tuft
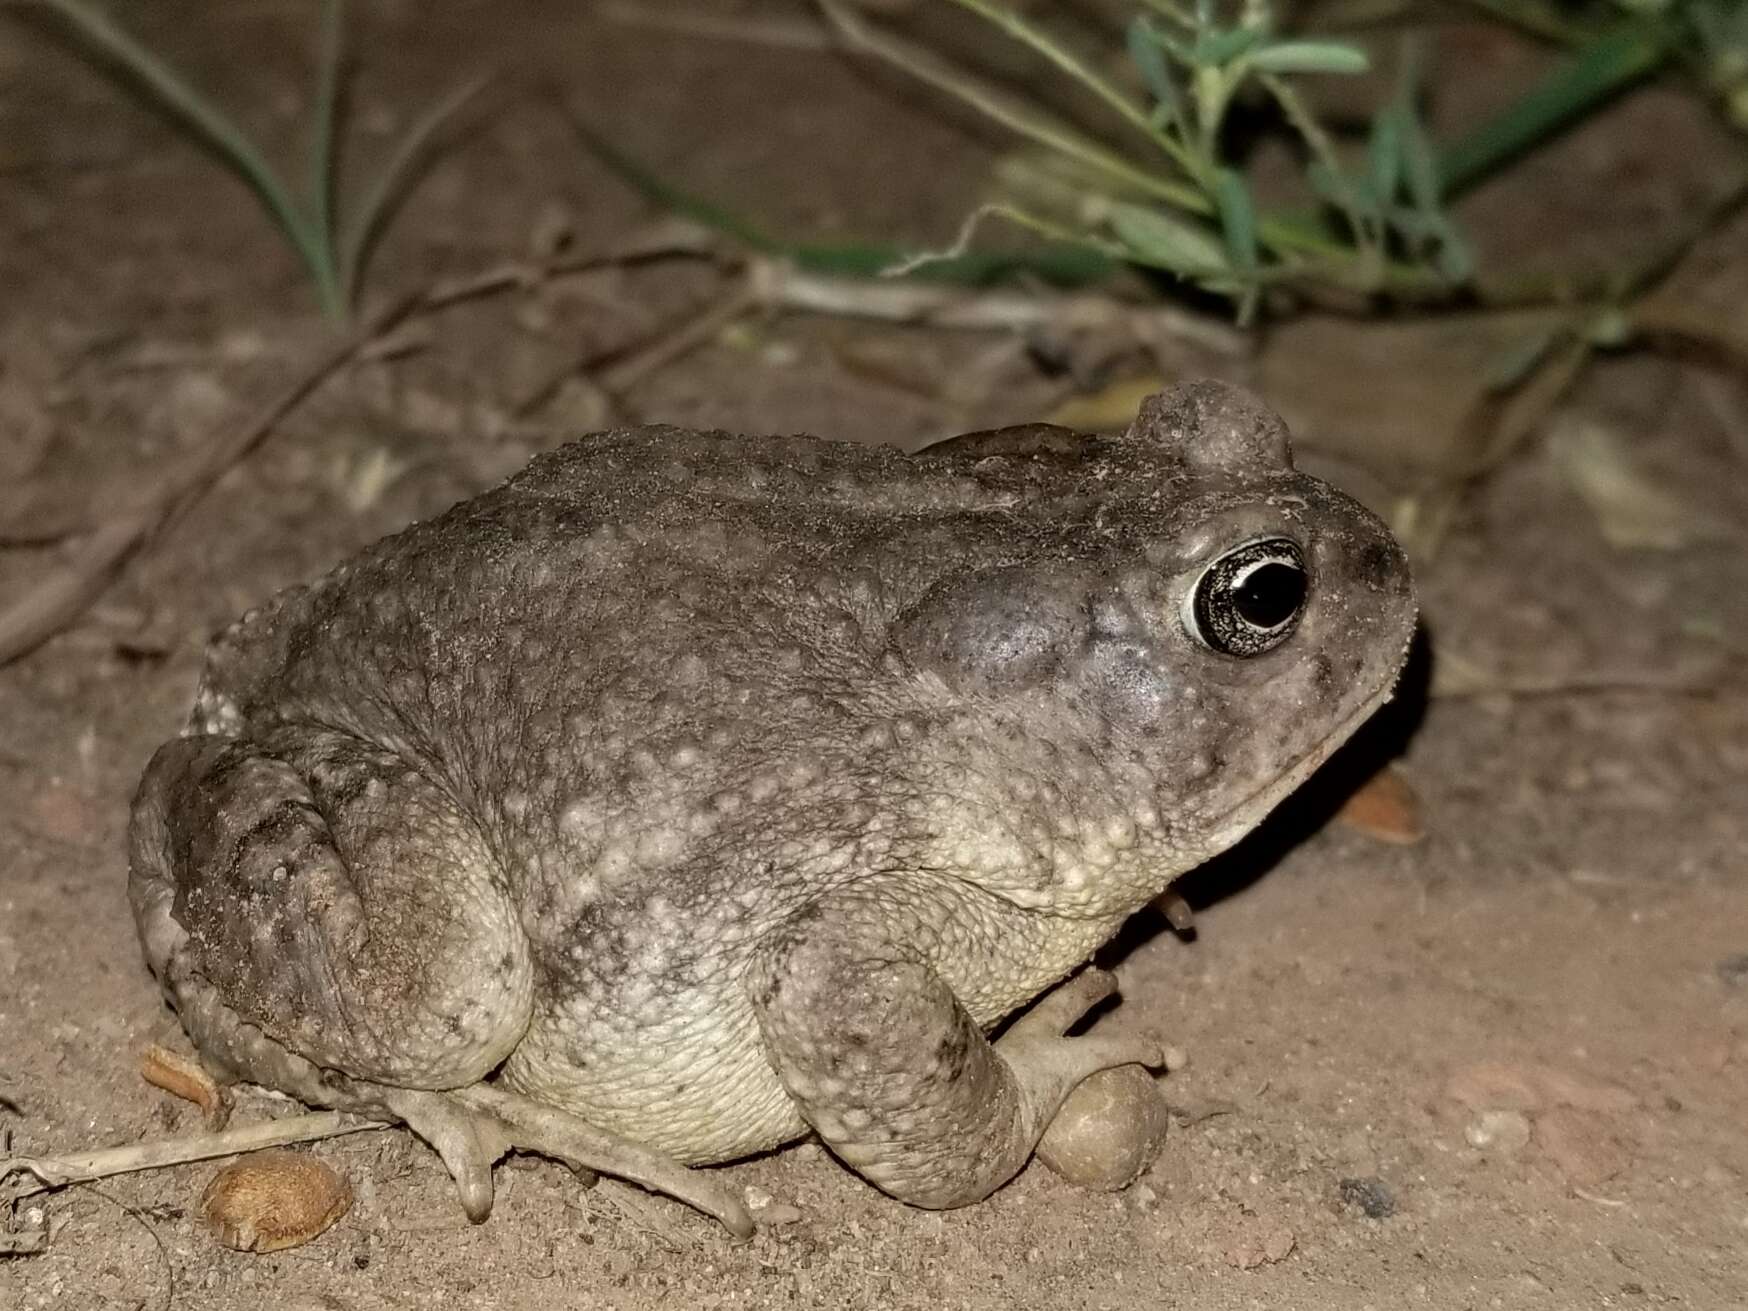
[[333, 252]]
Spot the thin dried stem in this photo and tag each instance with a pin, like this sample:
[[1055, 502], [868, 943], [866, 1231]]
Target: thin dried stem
[[25, 1176]]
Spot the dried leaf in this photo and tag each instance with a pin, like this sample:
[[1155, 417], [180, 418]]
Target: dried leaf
[[1111, 407], [1386, 808], [269, 1201]]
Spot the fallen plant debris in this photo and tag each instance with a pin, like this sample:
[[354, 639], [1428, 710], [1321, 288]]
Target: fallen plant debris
[[1385, 808], [333, 253], [272, 1200], [26, 1176], [186, 1078]]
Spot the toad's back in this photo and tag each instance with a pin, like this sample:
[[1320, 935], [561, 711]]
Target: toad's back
[[596, 562]]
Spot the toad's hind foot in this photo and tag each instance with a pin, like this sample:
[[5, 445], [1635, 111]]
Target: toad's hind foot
[[335, 897], [471, 1128]]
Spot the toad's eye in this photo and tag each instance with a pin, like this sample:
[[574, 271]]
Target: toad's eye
[[1250, 599]]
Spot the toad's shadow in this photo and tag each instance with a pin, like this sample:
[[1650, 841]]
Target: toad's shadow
[[1313, 805]]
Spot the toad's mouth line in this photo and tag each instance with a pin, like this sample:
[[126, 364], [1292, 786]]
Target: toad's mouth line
[[1245, 814]]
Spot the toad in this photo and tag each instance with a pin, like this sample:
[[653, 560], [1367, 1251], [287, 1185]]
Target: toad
[[690, 792]]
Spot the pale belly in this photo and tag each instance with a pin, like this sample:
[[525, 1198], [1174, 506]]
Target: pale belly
[[691, 1081], [681, 1066]]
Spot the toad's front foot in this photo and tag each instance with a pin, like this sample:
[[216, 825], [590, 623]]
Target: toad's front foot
[[897, 1077], [470, 1128], [1049, 1065]]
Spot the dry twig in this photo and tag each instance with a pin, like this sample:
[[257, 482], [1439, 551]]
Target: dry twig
[[25, 1176], [781, 285]]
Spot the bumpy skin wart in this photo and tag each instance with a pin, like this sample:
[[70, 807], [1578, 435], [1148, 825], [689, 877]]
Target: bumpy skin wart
[[689, 791]]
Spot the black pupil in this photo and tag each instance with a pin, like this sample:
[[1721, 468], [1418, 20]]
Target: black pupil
[[1270, 594]]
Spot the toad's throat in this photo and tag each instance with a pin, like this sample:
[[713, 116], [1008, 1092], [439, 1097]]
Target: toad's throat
[[1095, 884], [1241, 817]]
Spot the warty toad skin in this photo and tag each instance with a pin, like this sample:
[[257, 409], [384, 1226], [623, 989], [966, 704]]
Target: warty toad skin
[[689, 792]]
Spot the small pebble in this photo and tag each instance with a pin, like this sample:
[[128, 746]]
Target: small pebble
[[1372, 1196], [1733, 970], [1505, 1132], [1275, 1244], [767, 1210], [778, 1213]]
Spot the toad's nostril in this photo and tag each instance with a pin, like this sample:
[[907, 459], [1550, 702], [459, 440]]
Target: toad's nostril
[[1377, 564]]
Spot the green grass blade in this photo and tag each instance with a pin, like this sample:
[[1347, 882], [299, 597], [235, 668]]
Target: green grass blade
[[1237, 219], [1156, 238], [1215, 49], [1286, 238], [1170, 9], [1384, 152], [1074, 263], [1608, 65], [324, 113], [207, 121], [1147, 56], [390, 179], [1020, 119], [1546, 21], [1309, 57], [1419, 163], [1323, 153], [1454, 258], [1040, 42], [659, 191]]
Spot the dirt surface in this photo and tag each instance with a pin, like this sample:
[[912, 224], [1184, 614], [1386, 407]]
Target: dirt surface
[[1504, 1067]]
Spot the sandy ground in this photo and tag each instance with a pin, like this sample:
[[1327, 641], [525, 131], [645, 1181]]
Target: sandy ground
[[1504, 1067]]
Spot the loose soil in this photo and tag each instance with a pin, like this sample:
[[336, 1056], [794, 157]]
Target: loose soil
[[1506, 1066]]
